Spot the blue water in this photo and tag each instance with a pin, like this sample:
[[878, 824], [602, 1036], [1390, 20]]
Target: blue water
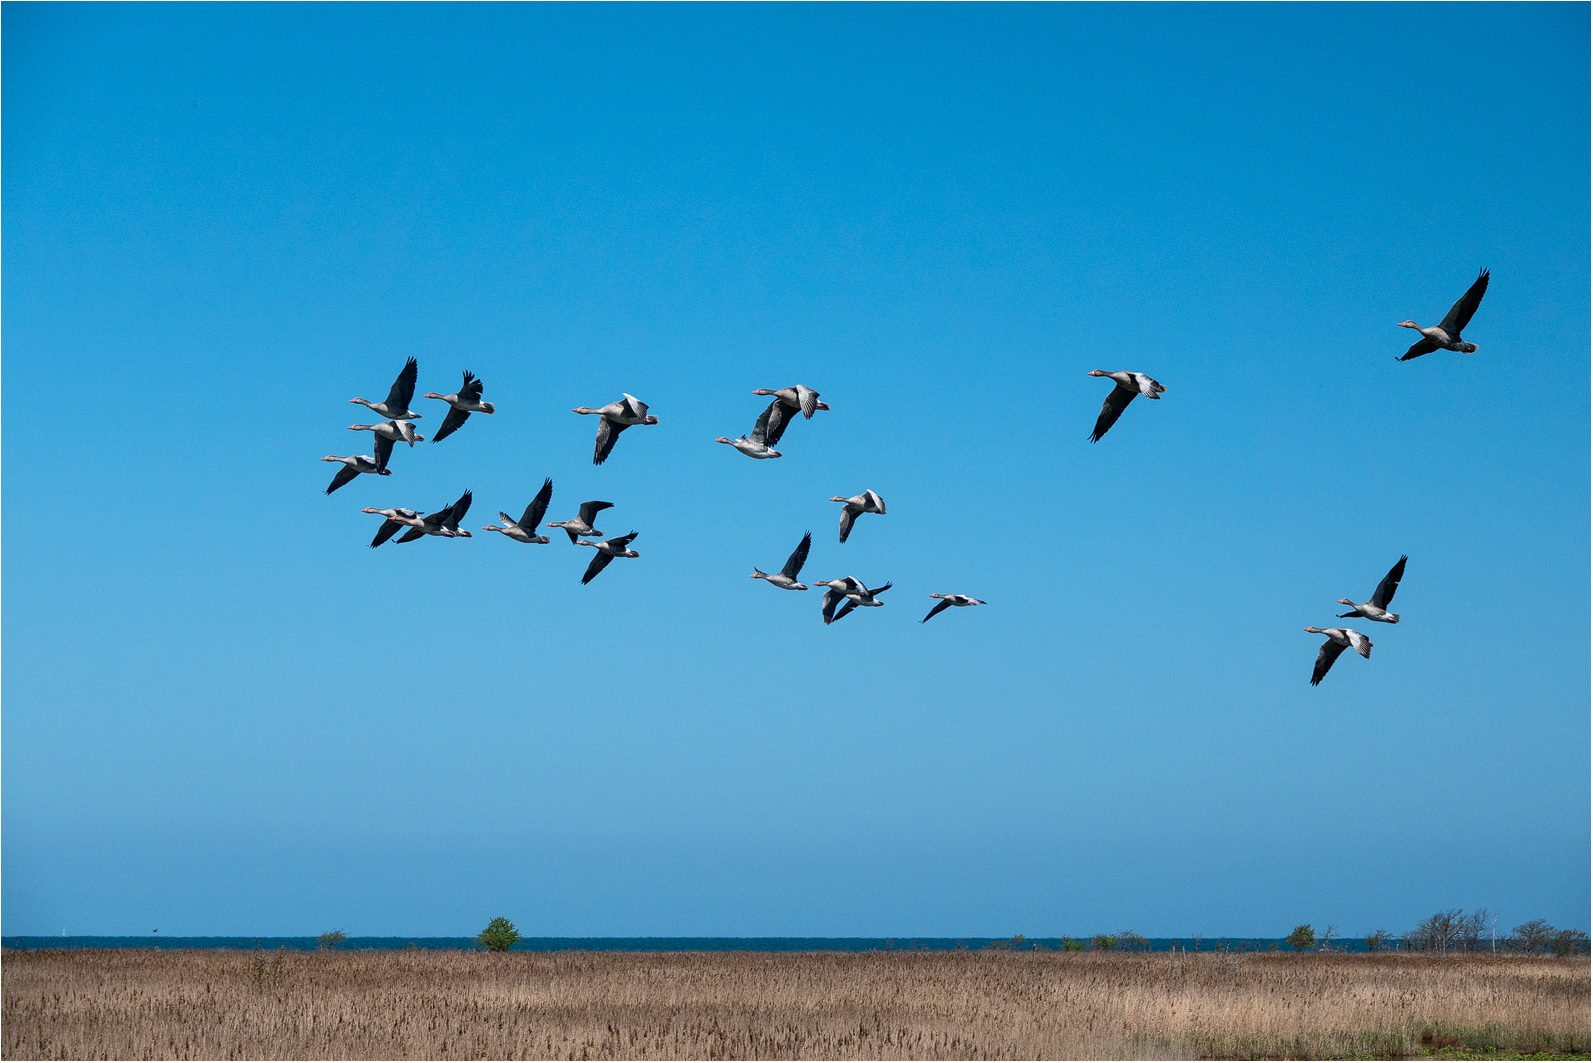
[[607, 944]]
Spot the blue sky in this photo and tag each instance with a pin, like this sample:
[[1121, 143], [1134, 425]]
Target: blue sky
[[223, 714]]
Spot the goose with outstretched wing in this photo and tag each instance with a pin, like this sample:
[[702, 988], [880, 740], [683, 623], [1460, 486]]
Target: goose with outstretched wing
[[582, 523], [461, 404], [1339, 639], [1130, 386], [786, 578], [949, 600], [524, 530], [613, 419], [757, 443], [353, 465], [607, 550], [444, 523], [396, 407], [1446, 334], [1377, 608]]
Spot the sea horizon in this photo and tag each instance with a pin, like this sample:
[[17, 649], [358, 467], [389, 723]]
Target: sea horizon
[[311, 943]]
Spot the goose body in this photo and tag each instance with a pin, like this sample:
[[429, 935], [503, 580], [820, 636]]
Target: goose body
[[614, 419], [607, 551], [786, 578], [387, 433], [524, 530], [1339, 639], [353, 465], [444, 523], [949, 600], [867, 502], [1446, 334], [396, 519], [797, 397], [462, 403], [581, 524], [757, 443], [1377, 608], [850, 593], [1130, 386], [396, 405]]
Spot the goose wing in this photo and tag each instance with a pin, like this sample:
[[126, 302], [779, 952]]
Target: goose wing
[[846, 607], [470, 390], [847, 517], [1116, 402], [599, 563], [1362, 644], [607, 433], [1419, 348], [403, 389], [1385, 590], [771, 424], [388, 529], [940, 606], [832, 597], [1324, 659], [798, 558], [880, 590], [344, 475], [1460, 314], [384, 450], [808, 399], [455, 418], [457, 511], [623, 541], [634, 406], [591, 509], [538, 508]]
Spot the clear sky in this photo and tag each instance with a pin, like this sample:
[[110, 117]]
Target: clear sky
[[223, 714]]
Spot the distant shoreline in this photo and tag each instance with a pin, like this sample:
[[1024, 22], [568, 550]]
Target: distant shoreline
[[656, 944]]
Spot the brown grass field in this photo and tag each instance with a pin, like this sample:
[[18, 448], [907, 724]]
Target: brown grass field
[[146, 1004]]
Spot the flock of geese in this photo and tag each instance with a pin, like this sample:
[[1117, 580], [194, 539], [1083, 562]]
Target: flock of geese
[[841, 596]]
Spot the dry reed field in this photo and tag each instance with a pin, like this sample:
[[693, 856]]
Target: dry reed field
[[146, 1004]]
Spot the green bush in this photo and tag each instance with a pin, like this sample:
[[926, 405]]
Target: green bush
[[1303, 937], [499, 936], [1132, 942], [331, 939], [1072, 945], [1103, 942]]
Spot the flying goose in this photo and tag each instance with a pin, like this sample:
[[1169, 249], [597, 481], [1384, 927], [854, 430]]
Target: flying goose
[[867, 502], [524, 530], [1446, 334], [582, 524], [853, 591], [797, 397], [1377, 608], [789, 401], [463, 403], [614, 419], [397, 405], [444, 523], [949, 600], [757, 444], [1129, 385], [608, 550], [1339, 639], [396, 519], [388, 433], [786, 578], [353, 465]]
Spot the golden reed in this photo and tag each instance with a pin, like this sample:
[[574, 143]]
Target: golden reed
[[146, 1004]]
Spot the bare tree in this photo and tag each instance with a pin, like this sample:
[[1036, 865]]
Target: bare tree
[[1531, 936]]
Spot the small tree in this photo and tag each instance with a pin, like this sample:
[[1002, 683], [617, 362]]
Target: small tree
[[1533, 936], [331, 939], [1325, 941], [499, 936], [1377, 940], [1132, 942], [1302, 938], [1072, 945], [1103, 942], [1569, 943]]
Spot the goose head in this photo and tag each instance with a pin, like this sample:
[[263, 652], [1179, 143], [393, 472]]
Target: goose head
[[1410, 324], [434, 395], [650, 419], [1345, 601], [721, 439]]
